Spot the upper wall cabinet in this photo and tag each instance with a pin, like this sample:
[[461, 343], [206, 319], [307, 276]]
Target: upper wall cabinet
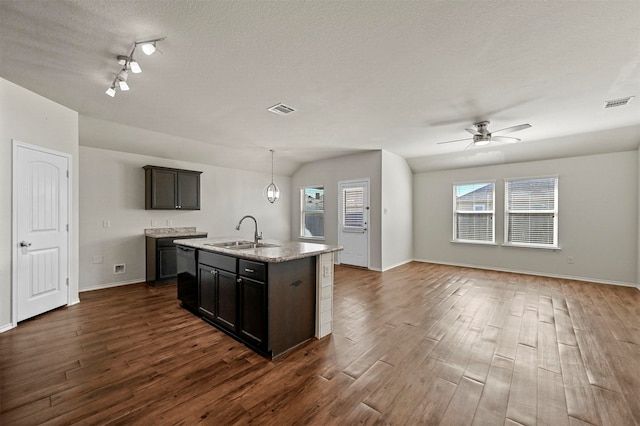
[[171, 189]]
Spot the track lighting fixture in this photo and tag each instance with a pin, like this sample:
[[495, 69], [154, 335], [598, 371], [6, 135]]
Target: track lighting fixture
[[130, 64]]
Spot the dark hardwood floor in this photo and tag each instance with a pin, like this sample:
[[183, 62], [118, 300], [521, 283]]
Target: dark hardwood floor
[[420, 344]]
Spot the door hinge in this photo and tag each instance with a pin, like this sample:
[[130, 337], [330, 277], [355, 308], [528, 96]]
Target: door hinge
[[67, 174], [67, 227], [67, 282]]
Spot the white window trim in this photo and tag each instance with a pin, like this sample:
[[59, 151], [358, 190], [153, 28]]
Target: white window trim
[[556, 245], [302, 215], [488, 212]]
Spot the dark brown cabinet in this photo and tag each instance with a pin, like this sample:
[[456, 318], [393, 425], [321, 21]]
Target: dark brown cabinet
[[218, 289], [171, 189], [253, 303], [162, 259], [268, 306]]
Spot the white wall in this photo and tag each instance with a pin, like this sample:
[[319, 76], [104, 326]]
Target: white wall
[[397, 211], [328, 173], [598, 219], [112, 189], [30, 118]]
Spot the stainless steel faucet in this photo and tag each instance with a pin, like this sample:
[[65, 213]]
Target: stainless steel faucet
[[256, 237]]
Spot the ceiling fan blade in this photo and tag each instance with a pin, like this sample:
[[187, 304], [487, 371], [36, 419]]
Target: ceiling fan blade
[[457, 140], [469, 146], [473, 131], [507, 139], [513, 129]]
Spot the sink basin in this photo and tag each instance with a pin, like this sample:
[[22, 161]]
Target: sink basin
[[240, 245]]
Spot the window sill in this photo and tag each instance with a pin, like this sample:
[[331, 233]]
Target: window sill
[[312, 238], [553, 248], [478, 243]]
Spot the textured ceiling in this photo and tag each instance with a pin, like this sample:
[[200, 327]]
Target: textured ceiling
[[363, 75]]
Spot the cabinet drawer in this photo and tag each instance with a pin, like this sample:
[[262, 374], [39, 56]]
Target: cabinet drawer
[[253, 270], [219, 261]]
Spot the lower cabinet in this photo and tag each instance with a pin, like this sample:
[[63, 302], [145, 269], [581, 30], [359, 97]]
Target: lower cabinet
[[268, 306], [217, 294], [253, 309]]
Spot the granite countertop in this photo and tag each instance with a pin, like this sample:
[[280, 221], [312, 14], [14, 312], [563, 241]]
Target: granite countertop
[[283, 251], [187, 231]]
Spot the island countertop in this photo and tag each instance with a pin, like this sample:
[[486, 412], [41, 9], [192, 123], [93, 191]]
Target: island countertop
[[277, 251]]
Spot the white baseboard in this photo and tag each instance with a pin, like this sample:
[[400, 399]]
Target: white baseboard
[[109, 285], [538, 274], [7, 327], [404, 262]]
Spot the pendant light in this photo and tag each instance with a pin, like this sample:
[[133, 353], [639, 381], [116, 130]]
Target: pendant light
[[272, 191]]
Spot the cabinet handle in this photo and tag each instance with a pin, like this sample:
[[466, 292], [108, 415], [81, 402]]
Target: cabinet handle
[[239, 280], [214, 272], [248, 270]]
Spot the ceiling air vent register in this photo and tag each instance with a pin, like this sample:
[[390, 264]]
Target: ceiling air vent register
[[617, 102], [281, 109]]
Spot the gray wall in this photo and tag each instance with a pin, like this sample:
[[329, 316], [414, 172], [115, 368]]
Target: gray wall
[[598, 219], [112, 189], [32, 119], [397, 211], [328, 173]]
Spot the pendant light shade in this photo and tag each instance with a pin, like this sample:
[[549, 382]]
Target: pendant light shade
[[272, 191]]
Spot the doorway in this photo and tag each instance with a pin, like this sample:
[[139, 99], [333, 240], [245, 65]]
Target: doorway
[[353, 222], [40, 243]]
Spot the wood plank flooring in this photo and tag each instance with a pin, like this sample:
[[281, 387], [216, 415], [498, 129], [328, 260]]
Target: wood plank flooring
[[420, 344]]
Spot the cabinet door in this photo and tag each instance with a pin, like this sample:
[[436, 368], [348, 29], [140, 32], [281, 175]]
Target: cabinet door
[[226, 300], [253, 310], [163, 189], [207, 291], [188, 191], [167, 262]]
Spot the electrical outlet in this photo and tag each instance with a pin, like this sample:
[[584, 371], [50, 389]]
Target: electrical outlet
[[570, 260], [154, 223], [169, 222], [98, 259], [106, 224]]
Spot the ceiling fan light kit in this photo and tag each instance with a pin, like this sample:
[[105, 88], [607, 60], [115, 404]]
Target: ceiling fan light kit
[[130, 64], [482, 136]]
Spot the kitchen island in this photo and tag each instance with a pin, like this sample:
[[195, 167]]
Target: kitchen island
[[272, 296]]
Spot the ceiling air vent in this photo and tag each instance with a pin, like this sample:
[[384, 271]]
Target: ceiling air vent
[[281, 109], [617, 102]]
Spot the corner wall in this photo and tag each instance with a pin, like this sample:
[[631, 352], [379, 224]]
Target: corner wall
[[598, 219], [328, 173], [32, 119], [397, 211]]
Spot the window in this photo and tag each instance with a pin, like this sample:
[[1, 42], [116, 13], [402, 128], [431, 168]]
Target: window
[[353, 209], [312, 212], [473, 212], [531, 212]]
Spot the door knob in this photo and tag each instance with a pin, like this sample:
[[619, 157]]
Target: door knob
[[25, 244]]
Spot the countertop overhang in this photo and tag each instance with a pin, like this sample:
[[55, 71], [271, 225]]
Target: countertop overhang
[[285, 250]]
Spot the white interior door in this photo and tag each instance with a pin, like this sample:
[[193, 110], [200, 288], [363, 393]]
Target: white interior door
[[41, 236], [353, 220]]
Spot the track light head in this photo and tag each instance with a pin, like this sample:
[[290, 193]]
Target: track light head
[[134, 66], [111, 91], [149, 48]]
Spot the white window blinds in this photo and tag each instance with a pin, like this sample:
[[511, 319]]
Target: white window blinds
[[353, 214], [473, 212], [531, 212]]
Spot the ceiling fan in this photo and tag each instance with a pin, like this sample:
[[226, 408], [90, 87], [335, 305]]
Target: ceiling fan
[[482, 135]]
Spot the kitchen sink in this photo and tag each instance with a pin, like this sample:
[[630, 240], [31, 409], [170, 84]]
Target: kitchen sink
[[240, 245]]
